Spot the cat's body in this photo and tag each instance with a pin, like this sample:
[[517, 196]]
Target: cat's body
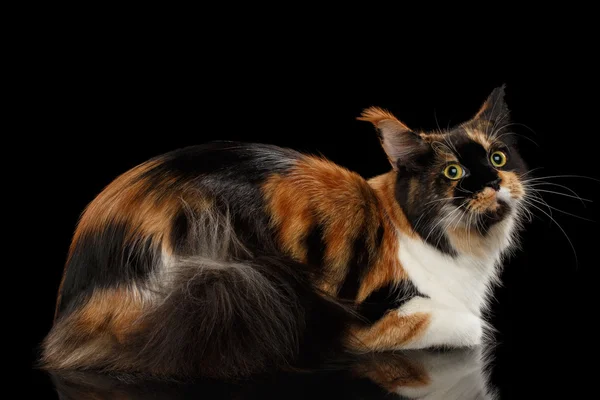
[[229, 259]]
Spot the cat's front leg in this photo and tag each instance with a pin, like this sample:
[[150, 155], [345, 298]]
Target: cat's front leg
[[446, 326], [420, 323]]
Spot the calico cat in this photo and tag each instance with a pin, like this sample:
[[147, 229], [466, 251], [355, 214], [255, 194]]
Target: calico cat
[[231, 259]]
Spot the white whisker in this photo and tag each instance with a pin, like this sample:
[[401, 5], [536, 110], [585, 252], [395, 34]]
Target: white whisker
[[444, 199], [534, 196], [442, 220], [561, 176], [536, 184], [446, 226], [564, 194], [558, 209], [560, 227]]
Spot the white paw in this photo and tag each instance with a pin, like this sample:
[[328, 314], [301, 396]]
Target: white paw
[[473, 330], [447, 326]]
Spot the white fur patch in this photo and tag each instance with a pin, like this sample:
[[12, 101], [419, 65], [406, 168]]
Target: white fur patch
[[458, 282], [504, 194], [458, 287]]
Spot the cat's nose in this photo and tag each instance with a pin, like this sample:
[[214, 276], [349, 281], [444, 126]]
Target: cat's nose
[[495, 184]]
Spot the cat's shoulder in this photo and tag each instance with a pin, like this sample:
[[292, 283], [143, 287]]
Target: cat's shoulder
[[317, 180]]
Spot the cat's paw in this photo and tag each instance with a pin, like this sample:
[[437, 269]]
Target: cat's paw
[[446, 326], [472, 331]]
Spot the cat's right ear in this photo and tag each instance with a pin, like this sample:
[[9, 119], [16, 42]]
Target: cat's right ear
[[401, 145]]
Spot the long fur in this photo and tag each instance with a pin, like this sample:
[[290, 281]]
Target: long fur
[[218, 314], [230, 259]]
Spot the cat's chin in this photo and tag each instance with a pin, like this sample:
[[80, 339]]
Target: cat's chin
[[500, 212]]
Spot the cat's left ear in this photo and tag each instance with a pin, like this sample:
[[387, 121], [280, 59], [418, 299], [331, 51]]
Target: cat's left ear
[[494, 109]]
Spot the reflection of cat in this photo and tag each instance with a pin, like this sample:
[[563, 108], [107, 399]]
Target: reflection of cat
[[413, 374], [432, 375], [231, 259]]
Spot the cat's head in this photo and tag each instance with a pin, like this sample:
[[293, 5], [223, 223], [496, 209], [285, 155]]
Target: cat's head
[[459, 185]]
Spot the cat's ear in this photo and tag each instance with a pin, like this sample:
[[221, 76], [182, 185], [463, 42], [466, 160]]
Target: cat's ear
[[401, 145], [494, 109]]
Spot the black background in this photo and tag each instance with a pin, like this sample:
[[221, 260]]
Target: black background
[[103, 102]]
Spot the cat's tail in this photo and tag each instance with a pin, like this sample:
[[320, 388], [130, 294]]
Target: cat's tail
[[230, 319], [215, 319]]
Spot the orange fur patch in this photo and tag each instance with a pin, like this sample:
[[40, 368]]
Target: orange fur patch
[[483, 201], [386, 269], [391, 332], [112, 311], [385, 186], [91, 333], [511, 181], [317, 191], [467, 240], [148, 215], [120, 192], [479, 136], [290, 213], [375, 115]]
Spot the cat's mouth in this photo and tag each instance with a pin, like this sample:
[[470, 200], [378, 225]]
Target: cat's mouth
[[497, 212], [490, 205]]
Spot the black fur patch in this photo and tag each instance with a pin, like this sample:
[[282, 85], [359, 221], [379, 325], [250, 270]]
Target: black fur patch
[[357, 268], [422, 212], [387, 298], [481, 173], [315, 246], [231, 173], [104, 259]]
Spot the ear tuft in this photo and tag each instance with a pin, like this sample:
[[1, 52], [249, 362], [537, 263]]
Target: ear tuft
[[375, 115]]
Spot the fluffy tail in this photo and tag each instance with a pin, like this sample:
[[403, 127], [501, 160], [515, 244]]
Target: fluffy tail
[[218, 319], [227, 319]]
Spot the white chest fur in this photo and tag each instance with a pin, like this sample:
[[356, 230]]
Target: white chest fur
[[457, 288], [462, 282]]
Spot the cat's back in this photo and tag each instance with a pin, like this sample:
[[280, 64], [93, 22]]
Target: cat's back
[[214, 200]]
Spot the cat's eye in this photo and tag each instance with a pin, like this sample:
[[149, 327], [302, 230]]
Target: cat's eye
[[498, 159], [454, 171]]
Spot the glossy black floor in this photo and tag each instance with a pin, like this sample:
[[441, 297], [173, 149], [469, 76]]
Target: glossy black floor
[[457, 374], [110, 108]]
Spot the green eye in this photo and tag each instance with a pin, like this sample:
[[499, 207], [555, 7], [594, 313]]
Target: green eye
[[498, 159], [454, 172]]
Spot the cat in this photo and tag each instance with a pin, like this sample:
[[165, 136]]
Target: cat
[[231, 259]]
